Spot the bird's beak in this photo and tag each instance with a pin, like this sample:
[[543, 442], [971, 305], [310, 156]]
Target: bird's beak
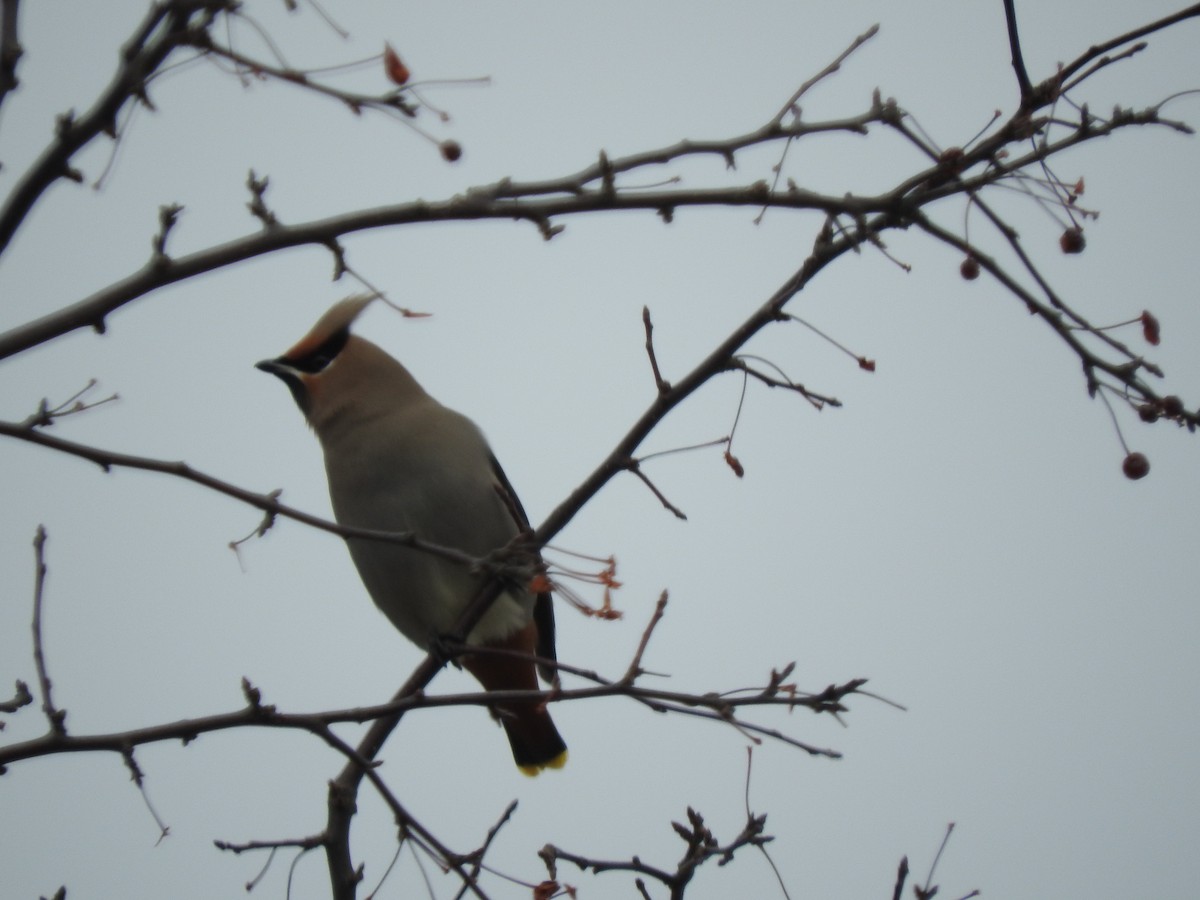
[[285, 372], [276, 367]]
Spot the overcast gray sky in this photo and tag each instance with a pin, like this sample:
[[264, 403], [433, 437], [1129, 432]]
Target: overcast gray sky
[[960, 532]]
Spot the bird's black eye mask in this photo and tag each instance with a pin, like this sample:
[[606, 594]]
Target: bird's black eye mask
[[286, 367], [322, 356]]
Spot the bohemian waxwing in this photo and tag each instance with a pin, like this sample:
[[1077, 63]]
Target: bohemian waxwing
[[397, 460]]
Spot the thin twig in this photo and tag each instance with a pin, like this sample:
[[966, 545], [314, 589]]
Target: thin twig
[[139, 778], [901, 877], [478, 855], [662, 385], [826, 72], [632, 466], [635, 665], [750, 818], [1103, 62], [56, 717], [1101, 49], [716, 442], [400, 844], [937, 857]]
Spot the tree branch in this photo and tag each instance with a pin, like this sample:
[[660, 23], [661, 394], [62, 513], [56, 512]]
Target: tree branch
[[159, 272], [55, 716], [163, 29], [268, 503], [830, 69], [1018, 60], [1097, 50]]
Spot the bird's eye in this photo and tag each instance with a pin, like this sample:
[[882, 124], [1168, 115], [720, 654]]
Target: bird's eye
[[322, 356]]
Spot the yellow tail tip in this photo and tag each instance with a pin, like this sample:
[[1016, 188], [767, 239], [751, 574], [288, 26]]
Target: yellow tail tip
[[533, 771]]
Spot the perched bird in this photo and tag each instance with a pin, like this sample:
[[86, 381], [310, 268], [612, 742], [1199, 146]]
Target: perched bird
[[397, 460]]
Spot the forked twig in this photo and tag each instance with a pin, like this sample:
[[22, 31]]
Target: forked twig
[[825, 73]]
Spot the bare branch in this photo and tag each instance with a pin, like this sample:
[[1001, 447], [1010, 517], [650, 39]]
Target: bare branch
[[269, 503], [476, 856], [47, 415], [818, 401], [937, 858], [139, 778], [1103, 62], [1018, 59], [396, 101], [541, 202], [55, 716], [830, 69], [701, 846], [632, 466], [160, 33], [708, 705], [635, 666], [92, 311], [662, 385], [901, 877], [1101, 49], [258, 204], [1068, 324]]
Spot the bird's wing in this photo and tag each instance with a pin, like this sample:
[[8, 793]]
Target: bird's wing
[[543, 607]]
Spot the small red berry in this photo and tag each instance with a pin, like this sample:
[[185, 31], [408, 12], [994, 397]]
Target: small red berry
[[734, 463], [1148, 412], [1150, 329], [1072, 240], [393, 67], [1172, 406], [1136, 466], [451, 150], [969, 268]]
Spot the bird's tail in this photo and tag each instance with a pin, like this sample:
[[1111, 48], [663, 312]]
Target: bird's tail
[[536, 743]]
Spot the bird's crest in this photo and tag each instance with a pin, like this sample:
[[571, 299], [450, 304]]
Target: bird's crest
[[337, 318]]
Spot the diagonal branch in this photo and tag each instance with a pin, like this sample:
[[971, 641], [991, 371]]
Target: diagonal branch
[[158, 35], [1097, 50], [830, 69], [1067, 324], [268, 503], [719, 360]]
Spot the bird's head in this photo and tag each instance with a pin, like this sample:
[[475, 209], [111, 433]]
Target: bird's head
[[331, 372]]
